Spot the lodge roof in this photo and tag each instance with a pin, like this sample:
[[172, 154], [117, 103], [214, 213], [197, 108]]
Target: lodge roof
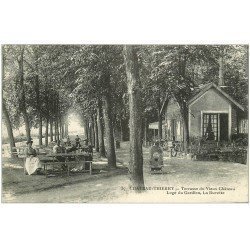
[[223, 93]]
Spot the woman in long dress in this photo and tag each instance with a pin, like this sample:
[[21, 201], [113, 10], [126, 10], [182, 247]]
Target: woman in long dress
[[32, 163]]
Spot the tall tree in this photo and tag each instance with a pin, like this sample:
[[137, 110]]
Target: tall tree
[[38, 95], [107, 114], [9, 128], [22, 98], [5, 110], [96, 133], [135, 111], [100, 130]]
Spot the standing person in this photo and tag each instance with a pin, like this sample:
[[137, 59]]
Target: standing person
[[32, 162], [78, 145]]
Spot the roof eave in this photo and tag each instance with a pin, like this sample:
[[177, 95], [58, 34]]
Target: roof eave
[[221, 91]]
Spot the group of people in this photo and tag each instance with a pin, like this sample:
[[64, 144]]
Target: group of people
[[32, 162], [66, 142]]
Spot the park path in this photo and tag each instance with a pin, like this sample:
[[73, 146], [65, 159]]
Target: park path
[[178, 173]]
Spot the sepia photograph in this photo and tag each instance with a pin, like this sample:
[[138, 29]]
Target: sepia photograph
[[95, 123], [124, 124]]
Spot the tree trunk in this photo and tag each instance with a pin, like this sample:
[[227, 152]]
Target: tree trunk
[[186, 135], [57, 130], [184, 113], [22, 100], [62, 125], [121, 130], [145, 132], [46, 131], [38, 105], [159, 126], [96, 135], [27, 125], [100, 131], [37, 91], [90, 133], [40, 130], [66, 126], [161, 110], [6, 113], [221, 71], [110, 145], [86, 129], [9, 129], [60, 128], [93, 131], [51, 129], [135, 122]]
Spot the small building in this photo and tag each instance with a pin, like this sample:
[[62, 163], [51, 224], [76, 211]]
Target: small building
[[153, 127], [211, 113]]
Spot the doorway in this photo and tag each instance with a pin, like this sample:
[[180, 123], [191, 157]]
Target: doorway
[[223, 127]]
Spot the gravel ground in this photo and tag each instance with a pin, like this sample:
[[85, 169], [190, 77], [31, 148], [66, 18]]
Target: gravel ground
[[182, 181]]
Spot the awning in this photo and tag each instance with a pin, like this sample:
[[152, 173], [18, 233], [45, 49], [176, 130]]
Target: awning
[[153, 125]]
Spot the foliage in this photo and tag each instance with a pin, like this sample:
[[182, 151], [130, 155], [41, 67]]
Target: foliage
[[74, 75]]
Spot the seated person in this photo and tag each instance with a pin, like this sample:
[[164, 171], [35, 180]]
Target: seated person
[[68, 141], [32, 162], [78, 145], [156, 156], [57, 149], [90, 149], [85, 141], [64, 141]]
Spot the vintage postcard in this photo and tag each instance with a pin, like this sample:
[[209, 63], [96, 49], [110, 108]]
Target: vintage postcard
[[125, 123]]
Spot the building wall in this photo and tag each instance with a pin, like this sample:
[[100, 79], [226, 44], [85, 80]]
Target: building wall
[[234, 121], [243, 126], [173, 116], [210, 101]]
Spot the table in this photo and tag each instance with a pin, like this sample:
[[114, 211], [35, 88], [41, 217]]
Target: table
[[52, 159]]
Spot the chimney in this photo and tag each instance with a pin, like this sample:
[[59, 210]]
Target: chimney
[[221, 72]]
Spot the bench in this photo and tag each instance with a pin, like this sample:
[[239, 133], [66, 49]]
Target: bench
[[18, 151], [68, 164]]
